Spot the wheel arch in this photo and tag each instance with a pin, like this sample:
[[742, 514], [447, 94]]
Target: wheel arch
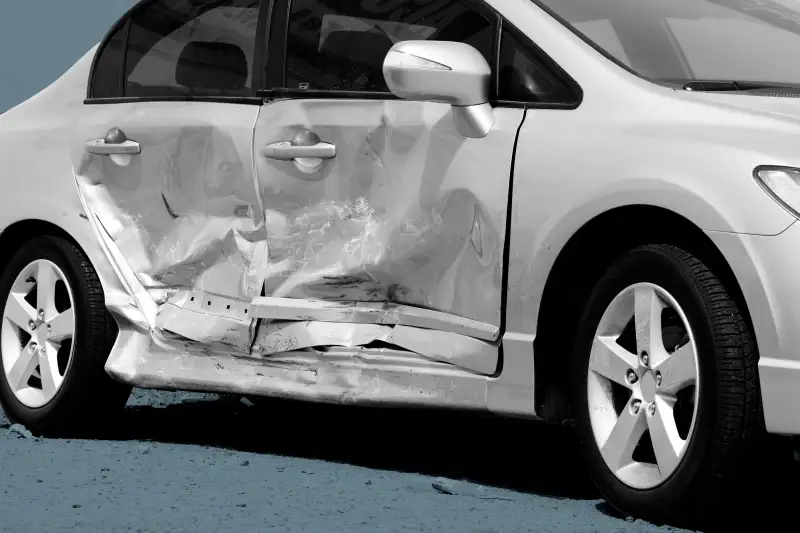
[[573, 276], [16, 234]]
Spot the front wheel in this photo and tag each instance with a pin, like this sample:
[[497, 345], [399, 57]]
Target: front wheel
[[55, 337], [666, 388]]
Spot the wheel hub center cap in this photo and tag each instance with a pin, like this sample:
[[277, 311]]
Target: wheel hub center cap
[[648, 386]]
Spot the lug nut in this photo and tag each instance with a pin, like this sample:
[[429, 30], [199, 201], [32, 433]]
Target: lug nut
[[651, 409], [632, 378], [635, 405], [42, 350], [32, 347], [658, 379], [41, 314], [31, 325], [645, 358]]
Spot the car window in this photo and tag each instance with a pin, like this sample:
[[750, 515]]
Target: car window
[[680, 41], [180, 48], [191, 47], [737, 62], [340, 46], [107, 81], [522, 77]]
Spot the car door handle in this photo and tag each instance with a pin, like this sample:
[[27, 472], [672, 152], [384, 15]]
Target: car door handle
[[114, 143], [286, 151], [304, 145], [101, 147]]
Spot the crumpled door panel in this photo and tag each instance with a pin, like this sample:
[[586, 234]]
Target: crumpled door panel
[[405, 227], [184, 214], [408, 212]]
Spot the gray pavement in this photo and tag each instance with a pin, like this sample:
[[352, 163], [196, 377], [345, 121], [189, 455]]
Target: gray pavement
[[193, 462]]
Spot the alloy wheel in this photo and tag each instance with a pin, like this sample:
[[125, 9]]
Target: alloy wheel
[[643, 385], [37, 333]]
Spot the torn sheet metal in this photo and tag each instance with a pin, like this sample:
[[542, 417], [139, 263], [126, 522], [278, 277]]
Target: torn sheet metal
[[379, 377], [221, 334], [185, 212], [370, 313], [404, 228], [408, 212], [464, 352]]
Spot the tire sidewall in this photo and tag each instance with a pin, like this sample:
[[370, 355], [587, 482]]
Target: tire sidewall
[[657, 266], [52, 250]]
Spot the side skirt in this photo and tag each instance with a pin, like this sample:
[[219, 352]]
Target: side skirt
[[336, 375]]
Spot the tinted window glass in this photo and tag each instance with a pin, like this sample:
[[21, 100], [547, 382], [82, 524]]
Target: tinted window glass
[[191, 47], [107, 82], [524, 78], [341, 45], [678, 41]]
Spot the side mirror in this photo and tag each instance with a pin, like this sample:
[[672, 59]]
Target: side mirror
[[442, 71]]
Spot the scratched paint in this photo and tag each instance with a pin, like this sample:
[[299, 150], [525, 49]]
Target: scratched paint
[[409, 211]]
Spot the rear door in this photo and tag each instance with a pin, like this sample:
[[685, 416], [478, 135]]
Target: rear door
[[164, 163], [403, 220]]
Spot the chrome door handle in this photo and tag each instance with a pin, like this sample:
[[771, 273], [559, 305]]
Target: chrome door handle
[[101, 147], [305, 145], [286, 151], [114, 143]]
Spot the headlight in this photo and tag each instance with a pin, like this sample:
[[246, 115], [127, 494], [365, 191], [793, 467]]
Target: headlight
[[783, 184]]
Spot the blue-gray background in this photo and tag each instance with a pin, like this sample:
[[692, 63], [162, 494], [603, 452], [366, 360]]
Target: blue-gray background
[[40, 39]]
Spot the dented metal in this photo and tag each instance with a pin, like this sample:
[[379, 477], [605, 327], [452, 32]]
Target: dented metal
[[389, 242], [408, 212], [464, 352]]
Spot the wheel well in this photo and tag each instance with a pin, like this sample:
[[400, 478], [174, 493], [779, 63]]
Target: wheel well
[[581, 263], [15, 235]]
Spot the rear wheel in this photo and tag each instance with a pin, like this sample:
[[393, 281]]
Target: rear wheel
[[55, 338], [666, 389]]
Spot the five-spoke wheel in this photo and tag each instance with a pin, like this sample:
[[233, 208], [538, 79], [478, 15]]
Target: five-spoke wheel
[[634, 388], [37, 331], [55, 337], [665, 387]]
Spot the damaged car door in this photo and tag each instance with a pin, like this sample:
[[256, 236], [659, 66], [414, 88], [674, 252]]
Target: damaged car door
[[384, 221], [164, 164]]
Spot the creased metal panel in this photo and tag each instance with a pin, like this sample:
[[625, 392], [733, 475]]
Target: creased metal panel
[[221, 334], [370, 313], [409, 211], [347, 376], [464, 352], [184, 213], [288, 336]]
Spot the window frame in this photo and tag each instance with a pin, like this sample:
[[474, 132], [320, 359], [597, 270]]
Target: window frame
[[273, 82], [275, 68], [124, 23], [534, 51]]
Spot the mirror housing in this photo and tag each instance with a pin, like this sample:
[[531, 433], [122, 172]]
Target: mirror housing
[[443, 71]]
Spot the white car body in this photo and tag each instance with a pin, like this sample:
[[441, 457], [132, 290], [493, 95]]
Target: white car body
[[628, 143], [462, 237]]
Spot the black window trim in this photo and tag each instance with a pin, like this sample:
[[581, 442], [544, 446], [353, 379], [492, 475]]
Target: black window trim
[[259, 54], [533, 50], [275, 66]]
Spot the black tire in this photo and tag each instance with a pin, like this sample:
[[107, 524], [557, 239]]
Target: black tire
[[87, 392], [719, 455]]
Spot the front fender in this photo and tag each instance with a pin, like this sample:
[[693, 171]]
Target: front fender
[[536, 244]]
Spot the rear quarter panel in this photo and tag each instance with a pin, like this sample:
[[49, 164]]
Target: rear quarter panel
[[36, 173]]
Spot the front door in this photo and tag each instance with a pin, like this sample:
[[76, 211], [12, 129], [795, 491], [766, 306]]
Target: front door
[[164, 163], [389, 211]]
